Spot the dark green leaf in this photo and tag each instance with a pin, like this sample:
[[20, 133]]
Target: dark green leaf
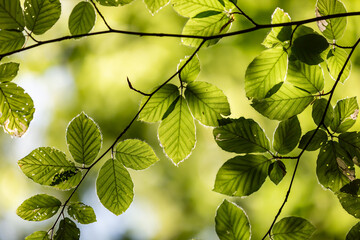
[[82, 213], [345, 114], [155, 5], [190, 72], [354, 232], [67, 230], [114, 3], [287, 135], [192, 8], [11, 15], [350, 141], [207, 14], [82, 18], [349, 197], [294, 228], [277, 171], [308, 48], [38, 235], [11, 41], [317, 141], [318, 112], [8, 71], [335, 61]]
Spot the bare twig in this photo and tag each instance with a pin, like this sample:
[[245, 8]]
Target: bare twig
[[136, 90]]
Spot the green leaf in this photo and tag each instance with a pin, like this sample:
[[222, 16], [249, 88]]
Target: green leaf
[[334, 168], [265, 71], [8, 71], [318, 112], [307, 77], [114, 3], [231, 222], [38, 208], [308, 48], [191, 70], [11, 41], [242, 175], [135, 154], [354, 232], [287, 135], [334, 28], [82, 213], [38, 235], [41, 15], [277, 171], [177, 132], [278, 35], [11, 16], [191, 8], [242, 136], [114, 187], [288, 101], [349, 197], [335, 61], [350, 141], [207, 26], [67, 230], [82, 18], [345, 114], [207, 102], [155, 5], [84, 139], [294, 228], [45, 165], [159, 103], [317, 141]]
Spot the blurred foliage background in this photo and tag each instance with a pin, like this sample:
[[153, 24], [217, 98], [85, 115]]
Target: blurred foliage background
[[89, 75]]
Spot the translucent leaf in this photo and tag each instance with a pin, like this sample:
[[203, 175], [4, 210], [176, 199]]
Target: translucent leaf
[[82, 213], [191, 70], [350, 141], [155, 5], [11, 16], [67, 230], [345, 114], [114, 3], [354, 232], [191, 8], [38, 208], [177, 132], [331, 28], [287, 135], [159, 103], [11, 41], [207, 102], [242, 175], [242, 136], [288, 101], [38, 235], [307, 77], [277, 171], [82, 18], [114, 187], [318, 112], [8, 71], [84, 139], [41, 15], [308, 48], [231, 222], [317, 141], [349, 197], [335, 61], [278, 35], [46, 165], [135, 154], [265, 71], [294, 228]]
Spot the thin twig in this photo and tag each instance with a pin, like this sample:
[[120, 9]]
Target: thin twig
[[136, 90], [244, 14], [102, 16]]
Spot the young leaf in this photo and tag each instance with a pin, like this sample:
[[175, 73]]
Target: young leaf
[[38, 208], [191, 70], [265, 71], [318, 112], [38, 235], [207, 102], [135, 154], [294, 228], [10, 41], [242, 136], [231, 222], [82, 18], [285, 103], [159, 103], [84, 139], [41, 15], [8, 71], [350, 141], [155, 5], [277, 171], [114, 187], [335, 61], [316, 142], [354, 232], [191, 8], [287, 135], [11, 16], [177, 132], [82, 213], [114, 3], [242, 175], [67, 230], [345, 114]]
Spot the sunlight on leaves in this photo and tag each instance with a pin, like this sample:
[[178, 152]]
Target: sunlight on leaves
[[82, 18], [10, 41], [294, 228], [67, 230], [318, 112], [191, 71], [317, 141], [277, 171], [335, 61], [82, 213], [8, 71], [11, 15], [155, 5], [287, 135], [345, 114], [39, 235]]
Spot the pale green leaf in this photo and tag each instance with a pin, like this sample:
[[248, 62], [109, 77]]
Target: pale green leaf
[[294, 228], [135, 154], [11, 15], [82, 18], [231, 222], [155, 5], [317, 141], [41, 15], [67, 230], [114, 3], [354, 232], [242, 175], [349, 197], [345, 114], [82, 213], [265, 71], [11, 41], [191, 8], [38, 235], [84, 139], [177, 132], [38, 208], [190, 72], [207, 102], [114, 187], [288, 101], [318, 112], [335, 62], [8, 71], [287, 135], [350, 141], [277, 171]]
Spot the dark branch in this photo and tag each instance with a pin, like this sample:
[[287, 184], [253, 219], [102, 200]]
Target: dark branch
[[138, 91], [102, 16]]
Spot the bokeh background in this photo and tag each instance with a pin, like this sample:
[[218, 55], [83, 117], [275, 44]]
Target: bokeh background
[[89, 75]]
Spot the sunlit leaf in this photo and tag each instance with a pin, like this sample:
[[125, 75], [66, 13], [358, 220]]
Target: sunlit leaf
[[317, 141], [114, 187], [318, 112], [242, 175], [345, 114], [350, 141], [67, 230], [41, 15], [155, 5], [114, 3], [8, 71], [191, 8], [38, 235], [354, 232], [287, 135], [277, 171], [11, 15], [191, 70], [10, 41], [294, 228], [335, 61], [231, 222], [349, 197], [207, 102], [38, 208], [82, 18], [82, 213]]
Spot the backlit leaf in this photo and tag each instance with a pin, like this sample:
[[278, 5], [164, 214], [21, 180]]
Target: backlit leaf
[[335, 61], [114, 3], [82, 18], [294, 228], [155, 5], [350, 141], [11, 16], [38, 235], [191, 70], [82, 213], [349, 197], [317, 141], [345, 114], [191, 8], [67, 230], [11, 41], [318, 112], [8, 71], [277, 171], [354, 232], [287, 135]]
